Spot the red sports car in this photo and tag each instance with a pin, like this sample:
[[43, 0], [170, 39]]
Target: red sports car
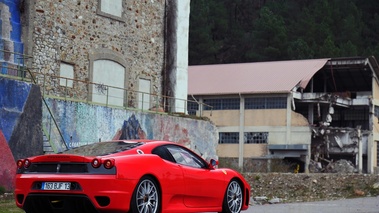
[[136, 176]]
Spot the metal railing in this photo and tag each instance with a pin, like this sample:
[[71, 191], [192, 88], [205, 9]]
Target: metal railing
[[17, 70], [100, 94], [69, 89]]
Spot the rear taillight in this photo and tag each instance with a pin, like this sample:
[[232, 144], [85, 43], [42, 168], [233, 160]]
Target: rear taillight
[[23, 163], [27, 163], [96, 163], [109, 163], [20, 163]]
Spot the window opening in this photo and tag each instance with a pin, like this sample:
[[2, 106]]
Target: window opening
[[256, 137], [266, 103], [67, 73], [222, 104]]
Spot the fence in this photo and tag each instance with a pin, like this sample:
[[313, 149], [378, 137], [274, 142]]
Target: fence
[[101, 94], [69, 89]]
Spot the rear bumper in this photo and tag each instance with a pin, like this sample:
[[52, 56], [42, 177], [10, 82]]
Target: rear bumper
[[95, 193]]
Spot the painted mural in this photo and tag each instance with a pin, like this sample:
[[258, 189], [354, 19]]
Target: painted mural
[[11, 45], [20, 125], [7, 165], [131, 129], [82, 124]]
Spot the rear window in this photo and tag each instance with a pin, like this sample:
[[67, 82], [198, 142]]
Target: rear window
[[102, 148]]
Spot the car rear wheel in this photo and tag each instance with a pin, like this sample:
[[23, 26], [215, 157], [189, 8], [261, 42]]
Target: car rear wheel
[[233, 198], [146, 197]]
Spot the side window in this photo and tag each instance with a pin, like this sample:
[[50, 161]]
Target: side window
[[163, 153], [185, 157]]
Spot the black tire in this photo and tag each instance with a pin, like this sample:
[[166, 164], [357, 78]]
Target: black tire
[[146, 197], [233, 198]]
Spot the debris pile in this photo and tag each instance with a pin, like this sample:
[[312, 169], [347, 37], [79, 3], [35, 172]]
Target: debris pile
[[340, 166], [271, 188]]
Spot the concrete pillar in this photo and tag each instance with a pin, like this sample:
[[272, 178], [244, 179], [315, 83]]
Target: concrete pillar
[[289, 119], [241, 133], [360, 151], [310, 113], [371, 150], [177, 53]]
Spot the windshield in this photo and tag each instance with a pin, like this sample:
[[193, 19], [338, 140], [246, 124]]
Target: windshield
[[102, 148]]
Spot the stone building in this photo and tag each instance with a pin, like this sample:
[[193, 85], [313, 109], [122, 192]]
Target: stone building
[[127, 49]]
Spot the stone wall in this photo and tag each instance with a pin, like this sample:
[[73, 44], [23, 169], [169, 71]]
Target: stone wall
[[74, 31]]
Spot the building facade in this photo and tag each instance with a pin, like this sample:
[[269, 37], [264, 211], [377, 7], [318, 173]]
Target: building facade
[[130, 51], [311, 112]]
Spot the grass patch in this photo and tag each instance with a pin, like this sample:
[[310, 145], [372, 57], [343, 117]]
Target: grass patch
[[9, 206]]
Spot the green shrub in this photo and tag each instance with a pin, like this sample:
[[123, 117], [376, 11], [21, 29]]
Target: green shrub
[[2, 190]]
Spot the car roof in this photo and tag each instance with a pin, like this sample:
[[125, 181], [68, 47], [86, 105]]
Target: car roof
[[140, 144], [140, 141]]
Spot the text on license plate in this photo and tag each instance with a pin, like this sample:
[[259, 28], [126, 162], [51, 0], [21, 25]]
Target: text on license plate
[[56, 186]]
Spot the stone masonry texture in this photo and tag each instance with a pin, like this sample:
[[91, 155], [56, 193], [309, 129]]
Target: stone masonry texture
[[70, 31]]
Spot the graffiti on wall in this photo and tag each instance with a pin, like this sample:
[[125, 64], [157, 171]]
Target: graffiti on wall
[[85, 123], [10, 37], [20, 125], [131, 129]]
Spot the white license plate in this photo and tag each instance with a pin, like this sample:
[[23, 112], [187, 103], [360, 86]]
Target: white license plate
[[56, 185]]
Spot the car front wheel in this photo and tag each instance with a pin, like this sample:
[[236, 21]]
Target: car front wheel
[[146, 197], [233, 198]]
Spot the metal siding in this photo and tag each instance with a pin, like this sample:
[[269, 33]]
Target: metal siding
[[247, 78]]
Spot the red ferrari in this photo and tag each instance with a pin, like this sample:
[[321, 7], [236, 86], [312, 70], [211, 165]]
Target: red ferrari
[[136, 176]]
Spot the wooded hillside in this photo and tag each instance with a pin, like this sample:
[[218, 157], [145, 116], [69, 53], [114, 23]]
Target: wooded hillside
[[234, 31]]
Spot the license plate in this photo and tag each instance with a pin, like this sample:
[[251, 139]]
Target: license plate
[[56, 186]]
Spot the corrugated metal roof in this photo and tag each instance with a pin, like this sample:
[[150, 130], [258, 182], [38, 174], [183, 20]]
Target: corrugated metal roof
[[248, 78]]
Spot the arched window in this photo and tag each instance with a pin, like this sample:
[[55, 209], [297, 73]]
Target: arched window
[[108, 74]]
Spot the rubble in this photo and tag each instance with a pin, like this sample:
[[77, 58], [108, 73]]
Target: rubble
[[274, 188], [340, 166], [275, 200]]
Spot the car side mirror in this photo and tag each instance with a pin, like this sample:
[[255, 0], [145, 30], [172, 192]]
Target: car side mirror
[[213, 163]]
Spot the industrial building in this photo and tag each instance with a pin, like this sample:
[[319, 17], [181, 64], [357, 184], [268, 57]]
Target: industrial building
[[309, 111]]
